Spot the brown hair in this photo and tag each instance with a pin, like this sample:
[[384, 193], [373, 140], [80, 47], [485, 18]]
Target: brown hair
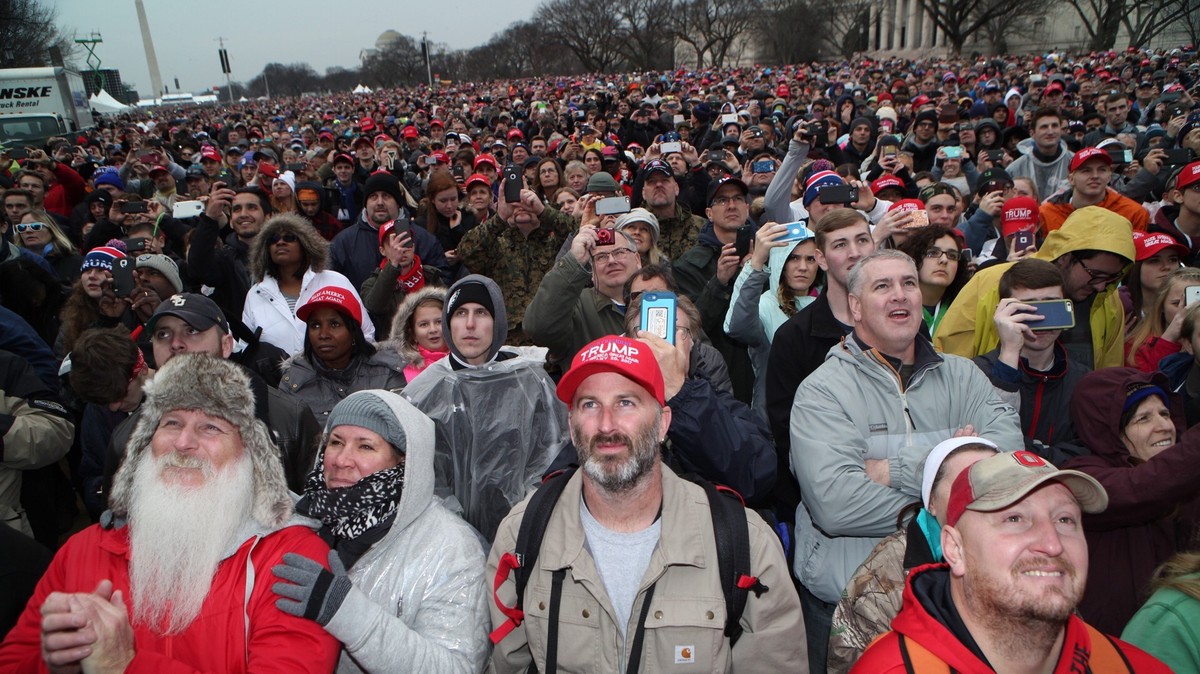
[[838, 218], [102, 364], [1030, 274], [1155, 322]]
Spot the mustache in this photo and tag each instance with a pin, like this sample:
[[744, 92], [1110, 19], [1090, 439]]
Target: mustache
[[1045, 563], [175, 460], [611, 438]]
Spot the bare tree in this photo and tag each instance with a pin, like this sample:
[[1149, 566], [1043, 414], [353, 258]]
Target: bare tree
[[592, 32], [1101, 19], [712, 27], [1146, 20], [399, 63], [960, 20], [27, 31], [785, 27], [1020, 19], [648, 26], [1190, 23]]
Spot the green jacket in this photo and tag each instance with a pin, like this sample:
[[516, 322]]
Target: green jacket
[[566, 314], [1168, 627], [516, 263]]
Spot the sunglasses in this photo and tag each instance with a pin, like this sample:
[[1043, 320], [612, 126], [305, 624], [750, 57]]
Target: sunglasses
[[286, 238], [30, 227]]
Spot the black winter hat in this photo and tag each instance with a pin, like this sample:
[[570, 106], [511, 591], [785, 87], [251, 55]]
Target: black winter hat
[[383, 182]]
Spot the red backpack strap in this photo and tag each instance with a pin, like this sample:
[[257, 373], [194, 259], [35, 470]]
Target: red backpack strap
[[918, 659]]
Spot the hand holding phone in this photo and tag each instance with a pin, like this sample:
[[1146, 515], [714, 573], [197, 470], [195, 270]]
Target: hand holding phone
[[122, 273], [658, 314]]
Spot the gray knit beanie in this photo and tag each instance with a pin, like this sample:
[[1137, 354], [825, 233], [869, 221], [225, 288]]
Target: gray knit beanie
[[368, 410]]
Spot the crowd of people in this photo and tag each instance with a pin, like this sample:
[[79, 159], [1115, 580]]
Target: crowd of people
[[870, 366]]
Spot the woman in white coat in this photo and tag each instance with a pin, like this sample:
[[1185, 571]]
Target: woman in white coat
[[288, 262]]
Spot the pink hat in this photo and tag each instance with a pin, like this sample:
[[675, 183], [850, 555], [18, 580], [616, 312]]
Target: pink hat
[[629, 358]]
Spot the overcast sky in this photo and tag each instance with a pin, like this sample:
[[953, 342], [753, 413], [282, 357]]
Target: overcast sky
[[322, 34]]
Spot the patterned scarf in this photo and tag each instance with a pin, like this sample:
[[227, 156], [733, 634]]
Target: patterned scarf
[[350, 511]]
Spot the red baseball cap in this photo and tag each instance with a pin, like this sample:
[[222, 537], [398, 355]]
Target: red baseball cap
[[1053, 87], [1018, 214], [1089, 153], [629, 358], [343, 157], [486, 159], [385, 229], [885, 181], [1149, 245], [367, 124], [921, 100], [476, 178], [335, 297], [437, 122], [516, 133], [159, 169], [410, 132], [1187, 175], [441, 157], [908, 205], [209, 152]]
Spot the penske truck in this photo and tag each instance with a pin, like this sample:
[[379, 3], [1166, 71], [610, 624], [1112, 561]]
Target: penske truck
[[39, 103]]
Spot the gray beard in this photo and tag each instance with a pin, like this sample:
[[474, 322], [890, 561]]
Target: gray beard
[[613, 477], [179, 535]]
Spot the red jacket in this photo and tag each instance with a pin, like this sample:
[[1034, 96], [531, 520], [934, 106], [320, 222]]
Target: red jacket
[[68, 190], [215, 641], [917, 624]]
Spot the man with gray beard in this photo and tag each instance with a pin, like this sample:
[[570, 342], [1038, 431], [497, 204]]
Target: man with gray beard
[[175, 576], [629, 547]]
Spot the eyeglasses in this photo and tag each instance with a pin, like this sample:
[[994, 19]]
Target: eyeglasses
[[935, 253], [1098, 276], [286, 238], [616, 254], [30, 227], [722, 201]]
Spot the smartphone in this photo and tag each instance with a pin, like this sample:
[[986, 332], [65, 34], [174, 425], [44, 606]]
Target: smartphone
[[122, 273], [429, 160], [512, 183], [1177, 156], [1176, 110], [148, 157], [16, 153], [838, 194], [764, 166], [953, 151], [667, 148], [890, 151], [729, 119], [1023, 240], [1190, 295], [186, 209], [716, 155], [1120, 156], [296, 168], [612, 206], [134, 245], [745, 235], [796, 231], [606, 236], [920, 218], [995, 156], [458, 172], [135, 207], [658, 314], [1056, 315]]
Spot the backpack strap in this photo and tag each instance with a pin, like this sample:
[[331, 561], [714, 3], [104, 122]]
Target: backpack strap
[[732, 534], [919, 660], [1106, 656], [529, 542]]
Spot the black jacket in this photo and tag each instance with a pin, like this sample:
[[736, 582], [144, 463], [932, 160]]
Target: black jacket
[[224, 268]]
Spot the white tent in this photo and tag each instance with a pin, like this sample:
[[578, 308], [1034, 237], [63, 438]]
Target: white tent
[[361, 89], [105, 104]]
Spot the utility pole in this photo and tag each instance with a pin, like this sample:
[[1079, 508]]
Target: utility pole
[[224, 55]]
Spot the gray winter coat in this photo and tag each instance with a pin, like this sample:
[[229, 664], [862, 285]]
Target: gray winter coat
[[384, 370]]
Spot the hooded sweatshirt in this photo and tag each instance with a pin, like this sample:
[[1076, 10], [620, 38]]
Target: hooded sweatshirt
[[420, 589], [968, 329], [416, 356], [1152, 505]]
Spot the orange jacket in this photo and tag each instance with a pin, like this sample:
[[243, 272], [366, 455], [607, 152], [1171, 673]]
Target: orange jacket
[[1056, 209]]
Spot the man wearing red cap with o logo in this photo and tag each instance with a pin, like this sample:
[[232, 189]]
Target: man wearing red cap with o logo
[[629, 567], [1016, 565]]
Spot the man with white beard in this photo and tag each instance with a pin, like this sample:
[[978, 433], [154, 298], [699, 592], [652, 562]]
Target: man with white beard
[[176, 575]]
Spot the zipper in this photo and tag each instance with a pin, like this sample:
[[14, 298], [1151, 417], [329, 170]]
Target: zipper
[[909, 425]]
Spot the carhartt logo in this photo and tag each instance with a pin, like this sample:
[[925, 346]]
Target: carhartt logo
[[685, 655]]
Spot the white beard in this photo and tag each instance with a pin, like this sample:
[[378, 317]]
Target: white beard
[[179, 535]]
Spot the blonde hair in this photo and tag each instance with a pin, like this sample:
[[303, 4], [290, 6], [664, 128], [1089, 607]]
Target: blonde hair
[[59, 240], [1155, 323], [1173, 575]]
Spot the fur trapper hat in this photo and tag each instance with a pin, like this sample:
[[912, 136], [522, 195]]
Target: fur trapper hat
[[220, 388]]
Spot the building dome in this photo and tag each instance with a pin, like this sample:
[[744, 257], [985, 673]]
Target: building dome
[[387, 39]]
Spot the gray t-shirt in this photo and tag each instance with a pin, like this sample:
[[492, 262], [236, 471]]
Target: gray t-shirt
[[621, 560]]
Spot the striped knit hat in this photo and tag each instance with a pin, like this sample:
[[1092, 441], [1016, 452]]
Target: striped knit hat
[[102, 257], [817, 181]]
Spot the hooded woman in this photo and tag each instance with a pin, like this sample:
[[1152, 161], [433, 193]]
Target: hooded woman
[[1150, 468], [405, 589], [288, 262], [337, 359], [787, 262]]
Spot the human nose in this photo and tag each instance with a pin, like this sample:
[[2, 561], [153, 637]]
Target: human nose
[[1048, 540]]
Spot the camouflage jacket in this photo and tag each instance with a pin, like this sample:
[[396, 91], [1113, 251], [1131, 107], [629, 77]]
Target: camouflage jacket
[[874, 596], [678, 233], [515, 262]]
